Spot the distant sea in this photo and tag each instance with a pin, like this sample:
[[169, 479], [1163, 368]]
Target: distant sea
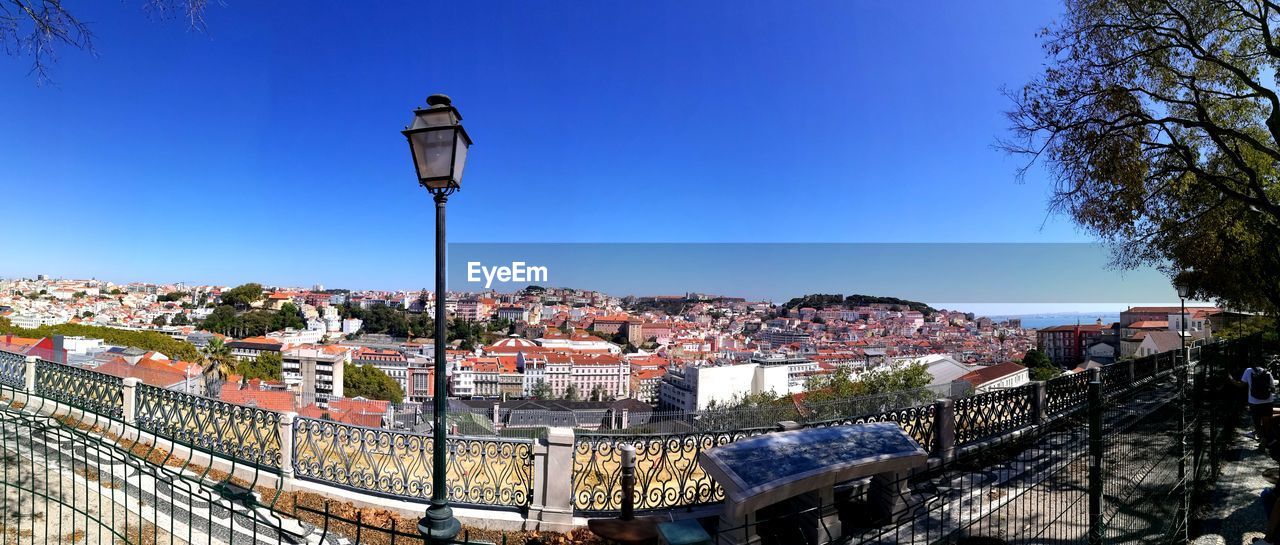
[[1039, 321]]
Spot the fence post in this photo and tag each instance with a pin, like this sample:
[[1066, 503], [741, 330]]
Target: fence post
[[944, 429], [626, 418], [1095, 458], [1039, 402], [129, 397], [286, 444], [552, 504], [29, 380]]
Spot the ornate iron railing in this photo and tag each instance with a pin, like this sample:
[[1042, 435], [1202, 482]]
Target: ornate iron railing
[[13, 369], [482, 470], [82, 388], [994, 413], [1115, 377], [667, 470], [919, 422], [1066, 393], [248, 434]]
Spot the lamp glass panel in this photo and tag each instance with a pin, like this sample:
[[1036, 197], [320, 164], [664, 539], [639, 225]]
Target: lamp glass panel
[[459, 156], [433, 152]]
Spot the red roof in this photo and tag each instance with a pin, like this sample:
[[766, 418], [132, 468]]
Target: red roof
[[990, 373], [272, 400]]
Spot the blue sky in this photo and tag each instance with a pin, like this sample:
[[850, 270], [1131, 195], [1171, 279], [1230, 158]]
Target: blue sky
[[267, 149]]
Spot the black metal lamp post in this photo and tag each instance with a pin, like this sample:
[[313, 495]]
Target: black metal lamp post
[[439, 145], [1184, 376], [1184, 291]]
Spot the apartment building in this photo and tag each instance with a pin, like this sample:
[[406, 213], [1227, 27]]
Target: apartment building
[[315, 371]]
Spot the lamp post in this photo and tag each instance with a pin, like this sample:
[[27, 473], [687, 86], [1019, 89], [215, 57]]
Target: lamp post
[[1184, 376], [439, 146]]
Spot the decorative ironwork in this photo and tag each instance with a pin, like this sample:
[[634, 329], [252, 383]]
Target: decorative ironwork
[[919, 422], [481, 470], [1115, 377], [13, 369], [1066, 393], [994, 413], [248, 434], [667, 470], [82, 388]]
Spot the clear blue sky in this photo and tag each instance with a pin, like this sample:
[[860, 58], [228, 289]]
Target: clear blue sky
[[267, 149]]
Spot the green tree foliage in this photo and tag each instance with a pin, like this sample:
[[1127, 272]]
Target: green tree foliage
[[571, 393], [243, 295], [267, 366], [384, 320], [180, 319], [540, 390], [161, 320], [219, 364], [146, 340], [368, 382], [227, 321], [824, 300], [289, 316], [1159, 123], [1236, 328], [911, 376], [222, 320], [172, 297], [597, 393], [1039, 365]]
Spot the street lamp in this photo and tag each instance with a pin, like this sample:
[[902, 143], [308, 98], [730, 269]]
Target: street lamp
[[439, 146], [1184, 291]]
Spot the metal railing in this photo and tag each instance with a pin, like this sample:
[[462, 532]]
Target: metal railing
[[667, 470], [247, 434], [481, 470], [81, 388]]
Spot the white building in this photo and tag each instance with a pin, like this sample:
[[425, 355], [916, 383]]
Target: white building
[[352, 325], [697, 388]]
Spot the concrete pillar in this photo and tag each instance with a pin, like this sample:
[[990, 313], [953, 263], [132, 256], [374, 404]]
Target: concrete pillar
[[130, 399], [286, 444], [1039, 403], [944, 430], [887, 496], [29, 382], [497, 415], [626, 418], [552, 504]]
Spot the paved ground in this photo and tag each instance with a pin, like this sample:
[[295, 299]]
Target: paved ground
[[65, 487], [1236, 516]]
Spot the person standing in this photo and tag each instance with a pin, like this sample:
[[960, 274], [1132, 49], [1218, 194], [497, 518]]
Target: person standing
[[1260, 387]]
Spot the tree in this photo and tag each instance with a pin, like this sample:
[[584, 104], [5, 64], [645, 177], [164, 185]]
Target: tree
[[40, 27], [911, 376], [221, 320], [1160, 126], [540, 390], [160, 321], [219, 365], [267, 366], [597, 393], [571, 392], [369, 382], [243, 295], [179, 319], [288, 317], [1039, 365]]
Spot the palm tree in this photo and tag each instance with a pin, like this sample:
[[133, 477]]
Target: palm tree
[[219, 365]]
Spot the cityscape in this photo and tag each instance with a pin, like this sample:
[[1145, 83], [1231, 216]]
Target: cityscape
[[826, 273]]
